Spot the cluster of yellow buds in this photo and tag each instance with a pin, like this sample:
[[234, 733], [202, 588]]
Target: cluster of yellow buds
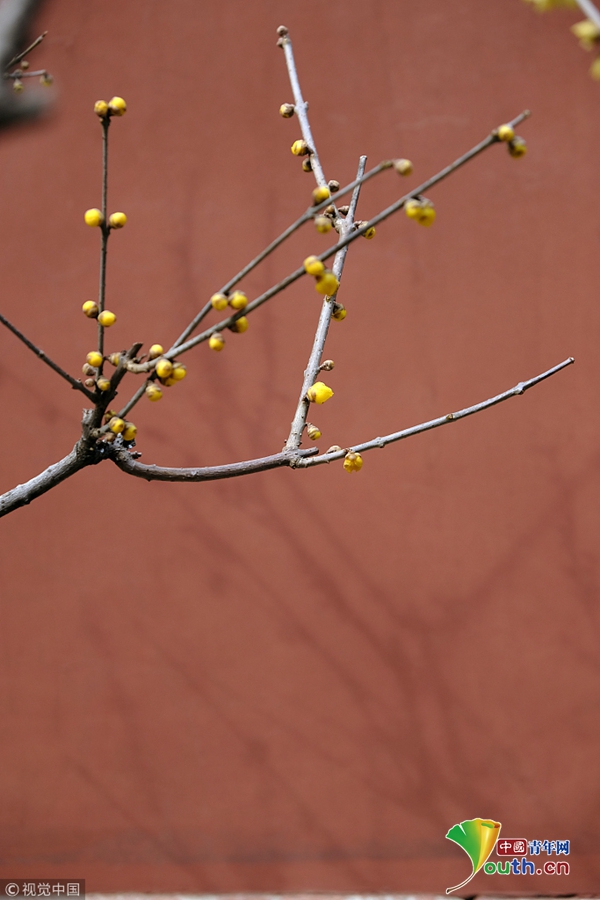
[[91, 368], [95, 218], [237, 301], [114, 107], [516, 145], [106, 318], [45, 77], [169, 373], [127, 430], [325, 281], [421, 210]]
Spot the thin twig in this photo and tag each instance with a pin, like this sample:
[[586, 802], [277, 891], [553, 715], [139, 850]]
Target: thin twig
[[310, 373], [125, 461], [298, 273], [380, 442], [300, 108], [21, 495], [24, 53], [105, 232], [310, 213], [133, 400], [77, 385]]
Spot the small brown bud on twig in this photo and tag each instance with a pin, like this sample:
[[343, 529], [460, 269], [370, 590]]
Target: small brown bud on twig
[[24, 64], [329, 211], [343, 210], [87, 369], [282, 31], [334, 186], [89, 382], [306, 164], [287, 110], [327, 366], [313, 432], [333, 449]]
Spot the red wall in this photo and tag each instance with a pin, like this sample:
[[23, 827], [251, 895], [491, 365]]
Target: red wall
[[301, 680]]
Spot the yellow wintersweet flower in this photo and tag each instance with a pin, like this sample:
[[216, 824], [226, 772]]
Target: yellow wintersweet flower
[[216, 342], [313, 266], [327, 284], [319, 392], [353, 462], [93, 217]]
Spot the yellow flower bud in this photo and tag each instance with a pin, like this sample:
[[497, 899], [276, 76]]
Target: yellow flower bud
[[238, 300], [427, 216], [117, 220], [353, 462], [117, 106], [93, 217], [327, 284], [306, 164], [153, 392], [319, 392], [412, 208], [101, 108], [339, 312], [299, 148], [103, 384], [116, 425], [240, 325], [46, 79], [403, 166], [107, 318], [517, 147], [319, 194], [505, 132], [18, 85], [216, 342], [114, 359], [154, 351], [129, 432], [323, 224], [313, 432], [95, 359], [587, 33], [218, 301], [369, 234], [179, 372], [169, 382], [313, 266], [286, 110], [164, 368], [90, 309]]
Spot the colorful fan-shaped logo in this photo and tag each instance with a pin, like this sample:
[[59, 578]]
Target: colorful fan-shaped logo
[[478, 838]]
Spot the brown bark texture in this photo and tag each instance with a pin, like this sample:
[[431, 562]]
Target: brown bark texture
[[300, 680]]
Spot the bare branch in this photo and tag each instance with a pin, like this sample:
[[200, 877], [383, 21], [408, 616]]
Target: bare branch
[[294, 276], [79, 457], [305, 217], [77, 385], [310, 373], [381, 442], [125, 461], [104, 230], [24, 53], [15, 16], [300, 107]]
